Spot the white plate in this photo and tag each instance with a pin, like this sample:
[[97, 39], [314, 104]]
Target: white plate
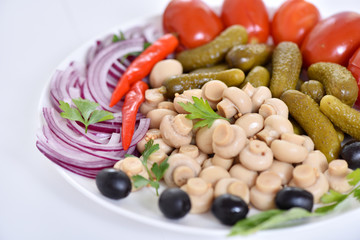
[[142, 205]]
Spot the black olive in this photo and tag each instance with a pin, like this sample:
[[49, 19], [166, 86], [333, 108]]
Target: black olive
[[113, 183], [290, 197], [229, 209], [174, 203], [350, 152]]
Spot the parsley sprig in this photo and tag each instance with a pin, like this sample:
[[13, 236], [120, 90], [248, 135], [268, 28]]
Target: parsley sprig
[[85, 112], [201, 109], [333, 198], [157, 169]]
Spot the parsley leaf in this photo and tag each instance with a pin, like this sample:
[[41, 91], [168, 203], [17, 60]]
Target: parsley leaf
[[156, 169], [85, 112], [139, 181], [119, 38], [201, 109], [333, 198], [354, 177], [269, 219]]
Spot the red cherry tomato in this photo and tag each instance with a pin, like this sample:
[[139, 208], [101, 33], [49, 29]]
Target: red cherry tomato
[[193, 21], [354, 68], [251, 14], [333, 39], [293, 20]]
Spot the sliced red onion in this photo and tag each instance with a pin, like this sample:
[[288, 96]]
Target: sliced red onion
[[99, 67], [63, 141]]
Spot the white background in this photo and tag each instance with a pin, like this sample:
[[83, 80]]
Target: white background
[[35, 201]]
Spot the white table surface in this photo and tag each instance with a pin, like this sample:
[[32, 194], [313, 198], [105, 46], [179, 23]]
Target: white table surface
[[35, 201]]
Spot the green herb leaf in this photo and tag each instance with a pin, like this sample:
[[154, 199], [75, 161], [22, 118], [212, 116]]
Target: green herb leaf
[[268, 220], [100, 116], [201, 109], [149, 149], [332, 196], [119, 38], [357, 193], [70, 113], [139, 181], [354, 177], [159, 170], [250, 224], [85, 112], [156, 169], [326, 209]]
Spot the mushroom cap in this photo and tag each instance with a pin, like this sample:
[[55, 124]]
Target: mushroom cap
[[163, 70], [238, 98], [212, 174], [288, 152], [228, 140], [176, 131], [178, 160], [317, 160], [252, 123], [201, 194], [156, 116], [261, 94], [283, 169], [232, 186], [275, 125], [274, 106], [212, 91], [256, 156], [186, 97], [203, 137], [242, 173]]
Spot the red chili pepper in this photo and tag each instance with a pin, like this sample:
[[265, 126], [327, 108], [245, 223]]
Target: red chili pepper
[[143, 64], [133, 100]]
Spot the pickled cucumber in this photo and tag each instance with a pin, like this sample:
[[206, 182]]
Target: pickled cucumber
[[215, 68], [342, 115], [337, 81], [286, 62], [314, 89], [297, 128], [180, 83], [214, 51], [318, 127], [247, 56], [258, 76]]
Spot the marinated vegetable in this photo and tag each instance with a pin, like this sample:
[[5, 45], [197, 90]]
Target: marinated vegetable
[[258, 76], [286, 65], [314, 89], [337, 81], [247, 56], [342, 116], [307, 113], [213, 52], [180, 83]]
